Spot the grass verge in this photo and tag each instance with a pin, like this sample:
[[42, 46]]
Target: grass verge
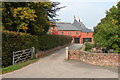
[[17, 66]]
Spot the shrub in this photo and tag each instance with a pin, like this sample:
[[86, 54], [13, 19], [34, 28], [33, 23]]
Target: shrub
[[12, 41], [88, 46]]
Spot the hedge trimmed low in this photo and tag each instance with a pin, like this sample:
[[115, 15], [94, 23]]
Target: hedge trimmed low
[[13, 41], [51, 41]]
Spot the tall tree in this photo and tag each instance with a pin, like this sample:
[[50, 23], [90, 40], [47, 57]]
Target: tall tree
[[31, 17], [107, 32]]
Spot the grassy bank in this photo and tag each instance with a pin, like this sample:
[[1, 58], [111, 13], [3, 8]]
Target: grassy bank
[[17, 66]]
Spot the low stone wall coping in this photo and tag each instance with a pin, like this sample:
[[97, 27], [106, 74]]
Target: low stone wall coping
[[102, 59]]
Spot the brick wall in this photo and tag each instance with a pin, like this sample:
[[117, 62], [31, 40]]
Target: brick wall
[[102, 59]]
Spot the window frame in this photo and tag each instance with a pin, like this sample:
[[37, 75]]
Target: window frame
[[62, 33], [76, 33], [69, 33]]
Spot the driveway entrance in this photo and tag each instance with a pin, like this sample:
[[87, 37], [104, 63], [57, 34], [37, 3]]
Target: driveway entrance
[[55, 66]]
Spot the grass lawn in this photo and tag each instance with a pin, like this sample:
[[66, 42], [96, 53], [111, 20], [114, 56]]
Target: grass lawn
[[17, 66]]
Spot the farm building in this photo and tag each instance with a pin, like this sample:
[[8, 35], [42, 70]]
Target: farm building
[[79, 32]]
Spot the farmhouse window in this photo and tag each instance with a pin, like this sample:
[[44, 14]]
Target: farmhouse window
[[76, 33], [62, 33], [69, 33]]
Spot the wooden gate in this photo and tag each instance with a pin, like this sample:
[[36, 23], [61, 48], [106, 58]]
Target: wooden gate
[[23, 55]]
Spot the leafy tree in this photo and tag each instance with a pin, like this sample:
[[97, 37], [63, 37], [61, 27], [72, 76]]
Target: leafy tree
[[23, 17], [31, 17], [107, 32]]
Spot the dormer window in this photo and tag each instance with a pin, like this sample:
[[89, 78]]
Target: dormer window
[[87, 32]]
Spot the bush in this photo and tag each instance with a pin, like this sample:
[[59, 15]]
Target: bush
[[88, 46], [12, 41]]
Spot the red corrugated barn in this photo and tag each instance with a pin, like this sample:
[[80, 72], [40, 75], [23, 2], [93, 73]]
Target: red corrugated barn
[[79, 32]]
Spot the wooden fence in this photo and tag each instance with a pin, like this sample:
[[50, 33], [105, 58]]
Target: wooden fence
[[23, 55]]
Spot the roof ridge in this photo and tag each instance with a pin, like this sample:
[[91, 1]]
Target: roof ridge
[[64, 22]]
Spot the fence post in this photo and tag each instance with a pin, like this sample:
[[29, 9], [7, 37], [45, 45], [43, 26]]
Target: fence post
[[33, 53], [13, 57], [67, 53]]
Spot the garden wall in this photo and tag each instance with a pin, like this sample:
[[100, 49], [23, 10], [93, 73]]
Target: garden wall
[[102, 59]]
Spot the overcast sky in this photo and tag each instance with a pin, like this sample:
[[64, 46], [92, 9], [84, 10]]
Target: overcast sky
[[89, 11]]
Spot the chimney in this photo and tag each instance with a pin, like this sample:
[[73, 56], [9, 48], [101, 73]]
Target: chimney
[[79, 20], [74, 18]]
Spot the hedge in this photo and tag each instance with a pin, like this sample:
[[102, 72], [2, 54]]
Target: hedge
[[13, 41], [52, 41]]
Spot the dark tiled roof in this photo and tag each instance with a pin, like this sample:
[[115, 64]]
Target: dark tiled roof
[[66, 27], [75, 26]]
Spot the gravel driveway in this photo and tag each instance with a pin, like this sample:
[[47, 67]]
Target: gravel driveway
[[55, 66]]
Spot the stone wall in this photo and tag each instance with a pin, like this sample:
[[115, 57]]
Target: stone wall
[[102, 59]]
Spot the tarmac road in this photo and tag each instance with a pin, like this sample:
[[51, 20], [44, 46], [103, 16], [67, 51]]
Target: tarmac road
[[55, 66]]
